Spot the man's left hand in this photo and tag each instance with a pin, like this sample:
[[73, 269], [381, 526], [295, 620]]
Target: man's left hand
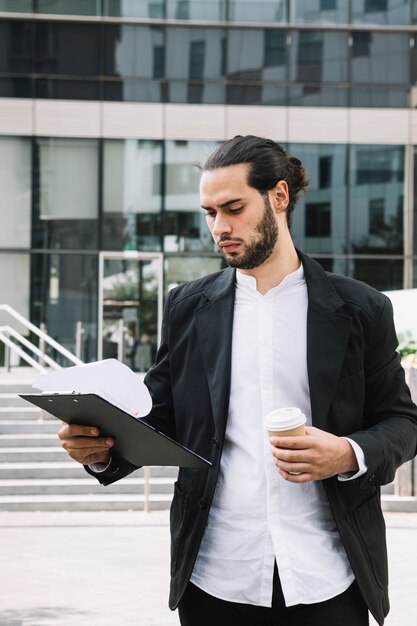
[[315, 456]]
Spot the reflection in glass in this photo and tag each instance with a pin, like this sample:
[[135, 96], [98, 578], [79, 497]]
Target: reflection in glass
[[132, 90], [261, 11], [64, 292], [380, 58], [256, 55], [181, 269], [66, 193], [185, 227], [382, 274], [376, 96], [319, 56], [271, 94], [196, 92], [212, 10], [69, 7], [380, 12], [130, 311], [16, 47], [15, 87], [66, 48], [15, 282], [134, 8], [132, 198], [16, 6], [376, 199], [320, 11], [195, 53], [318, 94], [15, 192], [66, 89], [319, 218]]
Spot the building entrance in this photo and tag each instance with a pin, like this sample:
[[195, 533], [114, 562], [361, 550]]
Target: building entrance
[[130, 307]]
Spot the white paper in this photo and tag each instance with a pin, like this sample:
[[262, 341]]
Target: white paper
[[110, 379]]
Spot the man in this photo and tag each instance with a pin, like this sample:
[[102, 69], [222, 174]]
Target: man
[[288, 531]]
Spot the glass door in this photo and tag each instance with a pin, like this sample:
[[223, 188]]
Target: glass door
[[130, 307]]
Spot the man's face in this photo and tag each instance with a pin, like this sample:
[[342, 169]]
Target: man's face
[[241, 219]]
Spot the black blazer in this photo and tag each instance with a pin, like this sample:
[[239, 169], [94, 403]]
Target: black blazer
[[357, 388]]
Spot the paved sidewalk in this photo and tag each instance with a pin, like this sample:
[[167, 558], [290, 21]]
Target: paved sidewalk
[[103, 569]]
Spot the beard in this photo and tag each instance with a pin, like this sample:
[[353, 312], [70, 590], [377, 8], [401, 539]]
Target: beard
[[262, 244]]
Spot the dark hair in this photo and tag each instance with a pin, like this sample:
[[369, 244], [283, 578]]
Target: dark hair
[[269, 162]]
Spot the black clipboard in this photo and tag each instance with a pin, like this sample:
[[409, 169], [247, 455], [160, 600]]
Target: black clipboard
[[136, 441]]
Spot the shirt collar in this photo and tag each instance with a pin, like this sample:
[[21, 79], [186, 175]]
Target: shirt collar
[[248, 283]]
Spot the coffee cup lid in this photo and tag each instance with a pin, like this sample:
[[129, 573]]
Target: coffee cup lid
[[284, 418]]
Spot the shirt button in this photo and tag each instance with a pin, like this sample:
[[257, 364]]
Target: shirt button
[[215, 442], [203, 503]]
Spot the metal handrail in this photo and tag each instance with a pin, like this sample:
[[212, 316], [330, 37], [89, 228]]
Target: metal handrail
[[10, 344], [45, 338], [9, 330]]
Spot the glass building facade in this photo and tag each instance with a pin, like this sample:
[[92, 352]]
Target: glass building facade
[[107, 106]]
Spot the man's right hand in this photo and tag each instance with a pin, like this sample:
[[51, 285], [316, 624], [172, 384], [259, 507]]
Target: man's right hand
[[84, 444]]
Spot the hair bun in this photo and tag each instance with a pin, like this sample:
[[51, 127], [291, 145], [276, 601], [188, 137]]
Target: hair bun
[[294, 161]]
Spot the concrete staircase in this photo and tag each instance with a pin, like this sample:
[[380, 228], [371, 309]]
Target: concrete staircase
[[37, 474]]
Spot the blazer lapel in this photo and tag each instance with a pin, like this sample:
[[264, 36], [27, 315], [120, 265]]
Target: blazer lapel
[[327, 336], [214, 323]]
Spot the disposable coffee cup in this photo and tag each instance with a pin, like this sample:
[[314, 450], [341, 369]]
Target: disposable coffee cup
[[285, 422]]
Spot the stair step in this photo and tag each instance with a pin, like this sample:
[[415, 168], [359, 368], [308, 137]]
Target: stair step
[[64, 469], [22, 426], [399, 504], [60, 486], [88, 502], [28, 439], [13, 413], [32, 454], [12, 399]]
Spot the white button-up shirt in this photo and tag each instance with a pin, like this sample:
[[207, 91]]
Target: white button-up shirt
[[256, 516]]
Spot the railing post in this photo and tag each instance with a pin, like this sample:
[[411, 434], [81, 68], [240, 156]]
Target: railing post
[[42, 345], [6, 358], [120, 340], [79, 331], [147, 488]]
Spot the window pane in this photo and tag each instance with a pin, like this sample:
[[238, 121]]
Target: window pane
[[15, 192], [185, 225], [181, 269], [380, 58], [16, 6], [134, 51], [195, 53], [196, 92], [319, 218], [376, 96], [14, 284], [320, 11], [270, 94], [67, 89], [132, 198], [15, 87], [196, 9], [318, 57], [16, 47], [67, 193], [261, 11], [313, 94], [69, 7], [376, 199], [382, 274], [380, 12], [134, 8], [64, 292], [256, 55], [66, 48]]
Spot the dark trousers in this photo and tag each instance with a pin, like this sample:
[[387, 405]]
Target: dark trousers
[[198, 608]]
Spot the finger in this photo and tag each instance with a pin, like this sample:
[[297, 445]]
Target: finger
[[294, 443], [296, 478], [292, 456], [300, 468], [78, 443], [76, 430]]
